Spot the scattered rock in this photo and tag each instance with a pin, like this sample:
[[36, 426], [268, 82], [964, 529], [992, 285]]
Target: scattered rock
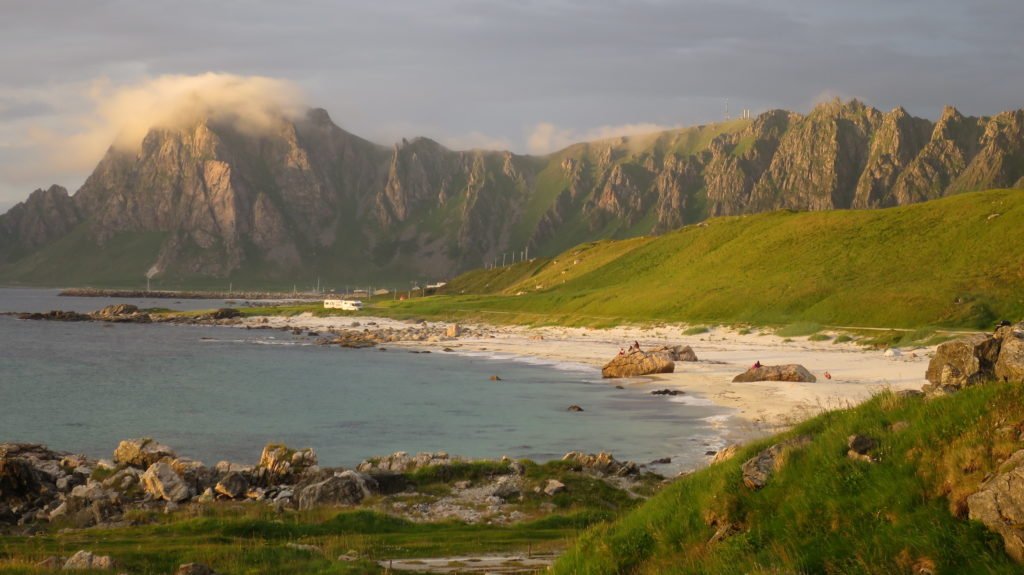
[[574, 407], [789, 372], [279, 463], [603, 463], [506, 488], [758, 469], [142, 453], [234, 485], [495, 378], [662, 461], [86, 560], [859, 446], [162, 482], [345, 488], [553, 487], [667, 392], [637, 363], [453, 330]]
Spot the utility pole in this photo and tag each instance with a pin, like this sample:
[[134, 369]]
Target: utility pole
[[502, 259]]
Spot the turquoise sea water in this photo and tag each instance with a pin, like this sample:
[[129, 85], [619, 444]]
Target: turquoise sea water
[[221, 393]]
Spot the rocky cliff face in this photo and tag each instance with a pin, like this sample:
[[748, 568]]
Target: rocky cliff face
[[310, 197]]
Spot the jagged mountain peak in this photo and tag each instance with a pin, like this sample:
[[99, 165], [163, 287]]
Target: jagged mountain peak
[[303, 195]]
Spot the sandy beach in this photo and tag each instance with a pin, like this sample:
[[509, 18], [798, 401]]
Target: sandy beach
[[758, 408]]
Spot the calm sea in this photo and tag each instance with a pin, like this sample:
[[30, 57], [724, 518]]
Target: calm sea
[[222, 393]]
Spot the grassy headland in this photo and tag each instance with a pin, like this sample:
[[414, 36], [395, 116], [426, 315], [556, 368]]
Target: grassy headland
[[823, 512], [952, 262]]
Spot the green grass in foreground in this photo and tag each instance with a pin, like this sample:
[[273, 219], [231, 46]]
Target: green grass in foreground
[[250, 539], [946, 263], [825, 513]]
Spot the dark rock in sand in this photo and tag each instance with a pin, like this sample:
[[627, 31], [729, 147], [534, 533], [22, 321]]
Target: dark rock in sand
[[666, 392], [790, 372], [574, 408]]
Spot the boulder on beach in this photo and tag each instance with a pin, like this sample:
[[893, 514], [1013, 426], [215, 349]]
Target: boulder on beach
[[789, 372], [963, 362], [637, 363]]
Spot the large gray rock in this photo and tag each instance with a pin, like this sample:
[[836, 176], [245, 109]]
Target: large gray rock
[[637, 363], [1010, 365], [789, 372], [759, 469], [345, 488], [142, 452], [162, 482], [999, 504], [963, 362]]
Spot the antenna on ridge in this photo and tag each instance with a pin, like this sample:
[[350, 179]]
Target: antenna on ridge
[[727, 109]]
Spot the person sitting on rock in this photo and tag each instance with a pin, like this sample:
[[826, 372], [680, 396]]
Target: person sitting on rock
[[622, 351], [636, 344], [757, 364]]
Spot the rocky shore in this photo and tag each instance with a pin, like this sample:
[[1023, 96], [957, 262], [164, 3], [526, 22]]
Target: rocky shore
[[40, 487]]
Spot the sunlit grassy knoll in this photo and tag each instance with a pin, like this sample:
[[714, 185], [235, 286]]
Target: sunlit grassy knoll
[[823, 512]]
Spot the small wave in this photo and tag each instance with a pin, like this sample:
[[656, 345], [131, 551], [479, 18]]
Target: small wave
[[530, 360], [258, 342], [691, 400]]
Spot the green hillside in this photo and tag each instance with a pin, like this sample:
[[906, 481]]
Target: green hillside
[[823, 512], [954, 262]]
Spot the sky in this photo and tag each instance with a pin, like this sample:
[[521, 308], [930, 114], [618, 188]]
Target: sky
[[526, 75]]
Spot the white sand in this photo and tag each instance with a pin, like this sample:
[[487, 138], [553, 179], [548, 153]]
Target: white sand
[[759, 407]]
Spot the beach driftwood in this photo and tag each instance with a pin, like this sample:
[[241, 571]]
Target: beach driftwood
[[636, 363], [789, 372]]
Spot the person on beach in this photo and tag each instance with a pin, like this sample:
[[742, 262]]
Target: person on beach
[[622, 351], [636, 344], [757, 364]]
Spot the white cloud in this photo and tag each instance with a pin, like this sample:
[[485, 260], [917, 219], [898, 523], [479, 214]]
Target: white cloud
[[122, 115], [546, 137]]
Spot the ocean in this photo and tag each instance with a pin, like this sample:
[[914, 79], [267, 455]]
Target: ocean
[[221, 393]]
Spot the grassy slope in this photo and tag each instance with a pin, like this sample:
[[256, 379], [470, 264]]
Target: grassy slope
[[948, 262], [825, 513]]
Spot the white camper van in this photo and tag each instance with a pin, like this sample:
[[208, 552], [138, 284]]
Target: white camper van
[[343, 304]]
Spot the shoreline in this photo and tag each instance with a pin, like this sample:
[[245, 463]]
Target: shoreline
[[759, 408]]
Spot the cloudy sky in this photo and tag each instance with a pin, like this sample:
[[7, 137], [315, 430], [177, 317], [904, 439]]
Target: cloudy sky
[[527, 75]]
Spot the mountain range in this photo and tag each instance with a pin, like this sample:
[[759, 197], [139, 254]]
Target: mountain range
[[207, 202]]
